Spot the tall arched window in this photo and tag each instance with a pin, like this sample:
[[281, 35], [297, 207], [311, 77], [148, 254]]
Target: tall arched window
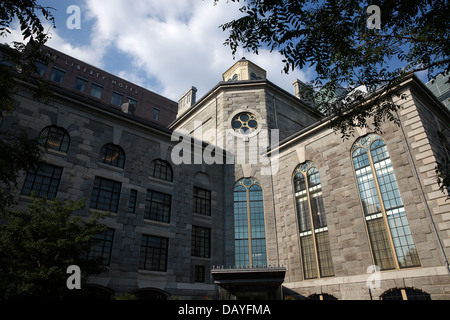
[[161, 169], [113, 155], [405, 294], [312, 222], [55, 138], [249, 228], [389, 233]]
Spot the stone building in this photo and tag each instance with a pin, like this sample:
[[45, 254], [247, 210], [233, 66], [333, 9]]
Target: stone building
[[245, 193], [440, 87]]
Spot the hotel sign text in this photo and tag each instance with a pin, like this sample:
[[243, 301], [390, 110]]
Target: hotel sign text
[[99, 76]]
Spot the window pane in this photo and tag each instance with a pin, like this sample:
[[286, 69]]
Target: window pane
[[404, 246], [44, 182], [308, 257], [201, 242], [202, 201], [313, 239], [101, 246], [105, 195], [96, 91], [157, 206], [161, 169], [155, 113], [153, 253], [380, 244], [366, 183], [402, 238], [112, 155], [324, 252], [54, 138], [41, 68], [248, 207], [57, 75], [80, 84], [116, 99]]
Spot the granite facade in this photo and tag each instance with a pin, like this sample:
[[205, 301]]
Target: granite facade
[[414, 148]]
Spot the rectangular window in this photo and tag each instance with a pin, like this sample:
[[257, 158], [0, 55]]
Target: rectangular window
[[202, 201], [156, 113], [57, 75], [380, 244], [105, 195], [116, 99], [101, 247], [153, 254], [308, 257], [132, 100], [41, 67], [43, 182], [324, 254], [96, 90], [157, 206], [80, 84], [132, 201], [201, 242], [200, 273]]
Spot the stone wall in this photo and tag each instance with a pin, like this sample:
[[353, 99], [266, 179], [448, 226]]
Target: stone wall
[[89, 129], [351, 253]]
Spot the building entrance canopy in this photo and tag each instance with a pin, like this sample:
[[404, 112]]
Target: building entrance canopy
[[250, 283]]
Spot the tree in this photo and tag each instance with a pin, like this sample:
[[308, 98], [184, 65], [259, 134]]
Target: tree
[[17, 63], [39, 244], [18, 153], [22, 57], [338, 38], [334, 37]]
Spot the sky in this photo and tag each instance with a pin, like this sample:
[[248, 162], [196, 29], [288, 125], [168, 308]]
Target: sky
[[164, 46]]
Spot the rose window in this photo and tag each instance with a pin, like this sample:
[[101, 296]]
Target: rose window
[[245, 123]]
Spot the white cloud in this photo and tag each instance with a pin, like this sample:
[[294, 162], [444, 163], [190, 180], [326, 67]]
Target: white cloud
[[179, 43], [165, 46], [91, 53]]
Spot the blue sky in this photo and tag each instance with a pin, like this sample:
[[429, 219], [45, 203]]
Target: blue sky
[[165, 46]]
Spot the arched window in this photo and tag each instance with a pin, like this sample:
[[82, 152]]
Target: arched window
[[55, 138], [405, 294], [249, 228], [312, 222], [112, 155], [389, 233], [161, 169]]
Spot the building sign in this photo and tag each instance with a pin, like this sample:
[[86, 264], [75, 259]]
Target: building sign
[[97, 75]]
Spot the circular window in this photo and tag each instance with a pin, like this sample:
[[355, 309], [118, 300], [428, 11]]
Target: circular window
[[245, 123]]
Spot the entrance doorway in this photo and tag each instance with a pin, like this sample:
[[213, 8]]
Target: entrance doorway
[[249, 284]]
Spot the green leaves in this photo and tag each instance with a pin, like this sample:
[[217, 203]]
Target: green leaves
[[39, 244], [333, 37]]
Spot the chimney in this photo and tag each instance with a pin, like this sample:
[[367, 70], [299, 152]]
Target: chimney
[[187, 100], [303, 92]]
